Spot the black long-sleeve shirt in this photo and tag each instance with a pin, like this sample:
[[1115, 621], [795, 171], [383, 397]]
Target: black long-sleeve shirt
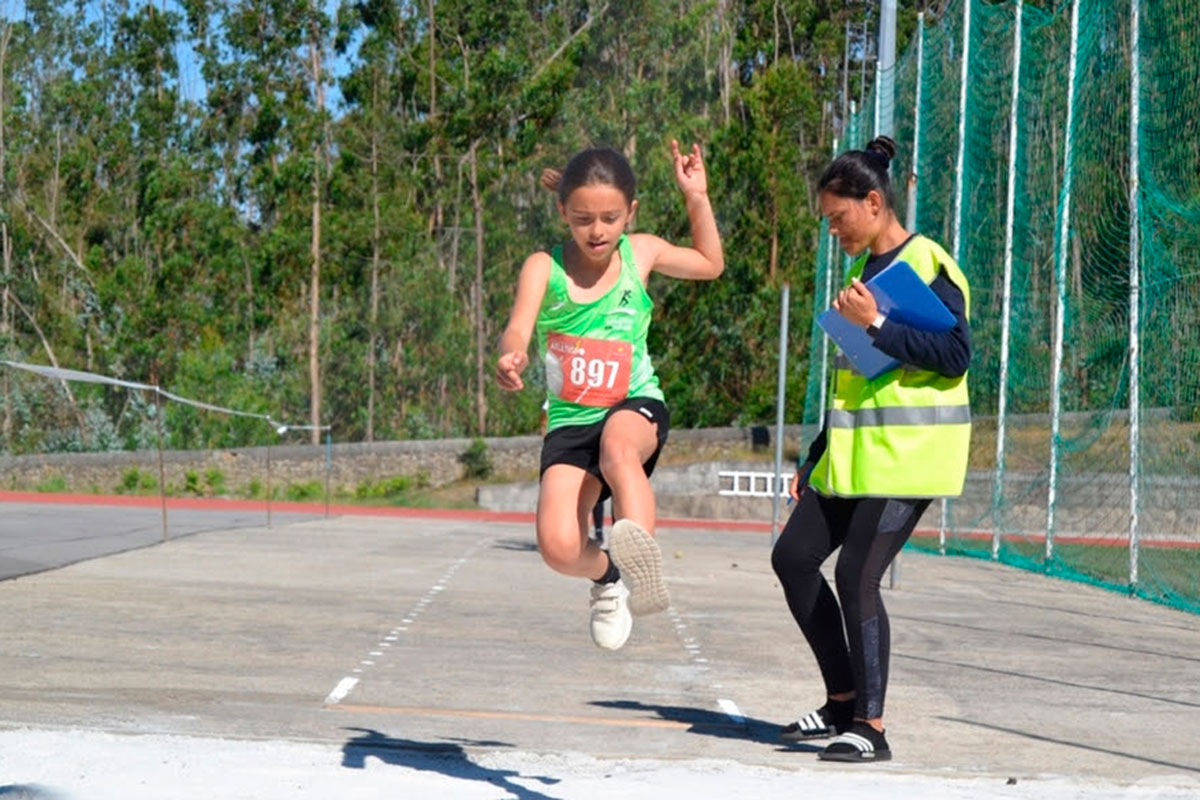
[[946, 353]]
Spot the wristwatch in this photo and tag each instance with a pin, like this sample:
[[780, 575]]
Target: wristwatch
[[873, 328]]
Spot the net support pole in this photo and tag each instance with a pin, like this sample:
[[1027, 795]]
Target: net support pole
[[829, 262], [959, 190], [910, 211], [270, 488], [162, 470], [780, 397], [1006, 315], [885, 109], [1135, 244], [885, 84], [328, 467], [1060, 278]]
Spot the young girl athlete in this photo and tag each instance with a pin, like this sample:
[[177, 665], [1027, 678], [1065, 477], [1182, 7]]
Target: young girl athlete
[[607, 422]]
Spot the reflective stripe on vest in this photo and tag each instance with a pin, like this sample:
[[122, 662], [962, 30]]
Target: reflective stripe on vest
[[905, 433], [902, 415]]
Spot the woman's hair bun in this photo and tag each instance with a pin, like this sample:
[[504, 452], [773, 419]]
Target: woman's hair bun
[[884, 147], [550, 179]]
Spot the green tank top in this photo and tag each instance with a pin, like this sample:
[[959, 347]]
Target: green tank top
[[589, 349]]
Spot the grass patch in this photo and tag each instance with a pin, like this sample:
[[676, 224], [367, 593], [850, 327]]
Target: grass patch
[[51, 484], [1170, 575]]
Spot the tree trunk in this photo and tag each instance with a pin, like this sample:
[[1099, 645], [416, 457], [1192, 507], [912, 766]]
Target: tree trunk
[[477, 202], [314, 318], [5, 249], [726, 57], [373, 332], [439, 213]]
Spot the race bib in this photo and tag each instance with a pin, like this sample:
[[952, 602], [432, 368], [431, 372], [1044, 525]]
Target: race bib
[[590, 372]]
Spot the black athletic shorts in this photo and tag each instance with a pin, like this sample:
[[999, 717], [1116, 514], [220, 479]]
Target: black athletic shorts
[[579, 445]]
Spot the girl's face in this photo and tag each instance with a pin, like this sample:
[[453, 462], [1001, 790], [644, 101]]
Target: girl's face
[[855, 223], [597, 215]]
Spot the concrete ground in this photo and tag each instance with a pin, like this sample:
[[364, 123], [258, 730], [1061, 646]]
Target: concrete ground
[[414, 642]]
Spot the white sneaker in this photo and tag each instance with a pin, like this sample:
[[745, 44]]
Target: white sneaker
[[611, 622], [638, 558]]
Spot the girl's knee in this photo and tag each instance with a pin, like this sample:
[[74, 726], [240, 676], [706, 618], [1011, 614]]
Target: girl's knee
[[560, 553], [618, 454]]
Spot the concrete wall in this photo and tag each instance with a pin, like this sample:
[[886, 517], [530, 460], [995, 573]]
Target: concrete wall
[[437, 461]]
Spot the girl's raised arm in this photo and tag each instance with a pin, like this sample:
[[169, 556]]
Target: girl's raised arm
[[704, 260]]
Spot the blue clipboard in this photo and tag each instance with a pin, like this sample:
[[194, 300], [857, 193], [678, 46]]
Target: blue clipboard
[[902, 297]]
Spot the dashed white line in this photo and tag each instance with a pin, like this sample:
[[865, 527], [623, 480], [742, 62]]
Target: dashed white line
[[344, 687], [347, 684]]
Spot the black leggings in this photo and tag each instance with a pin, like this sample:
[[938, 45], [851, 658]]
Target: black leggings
[[870, 531]]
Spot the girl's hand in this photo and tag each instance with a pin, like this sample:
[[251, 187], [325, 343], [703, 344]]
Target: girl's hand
[[689, 171], [508, 371]]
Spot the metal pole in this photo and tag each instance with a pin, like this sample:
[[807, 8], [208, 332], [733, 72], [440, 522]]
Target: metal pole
[[885, 106], [1005, 322], [959, 187], [885, 84], [829, 262], [162, 471], [1135, 282], [328, 466], [910, 221], [780, 397], [1060, 276], [269, 488]]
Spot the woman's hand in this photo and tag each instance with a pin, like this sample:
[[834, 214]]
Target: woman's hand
[[508, 371], [857, 304], [800, 481], [689, 171]]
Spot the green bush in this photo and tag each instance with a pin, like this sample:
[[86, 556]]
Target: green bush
[[52, 483], [302, 492], [384, 488], [214, 479], [477, 459]]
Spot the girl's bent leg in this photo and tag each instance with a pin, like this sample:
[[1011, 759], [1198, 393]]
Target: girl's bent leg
[[629, 440], [565, 504], [627, 443]]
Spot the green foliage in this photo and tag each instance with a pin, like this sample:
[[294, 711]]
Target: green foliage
[[305, 491], [169, 232], [476, 459], [52, 483], [136, 481]]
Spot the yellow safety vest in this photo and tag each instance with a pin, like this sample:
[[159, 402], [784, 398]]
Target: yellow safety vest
[[905, 433]]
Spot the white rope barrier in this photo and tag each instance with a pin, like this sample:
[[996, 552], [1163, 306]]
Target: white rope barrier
[[59, 373]]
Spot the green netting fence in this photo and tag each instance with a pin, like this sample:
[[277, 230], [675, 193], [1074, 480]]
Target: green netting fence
[[1064, 174]]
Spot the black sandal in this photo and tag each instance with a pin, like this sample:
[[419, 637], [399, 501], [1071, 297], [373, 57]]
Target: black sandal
[[860, 743], [830, 719]]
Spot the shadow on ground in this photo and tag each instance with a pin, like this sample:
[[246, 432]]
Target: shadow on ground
[[445, 758], [28, 791], [712, 723]]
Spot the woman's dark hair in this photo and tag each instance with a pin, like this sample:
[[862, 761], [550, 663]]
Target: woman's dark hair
[[856, 173], [601, 165]]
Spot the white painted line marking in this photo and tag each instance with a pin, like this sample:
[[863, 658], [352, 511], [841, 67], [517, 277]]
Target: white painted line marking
[[731, 710], [344, 687]]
